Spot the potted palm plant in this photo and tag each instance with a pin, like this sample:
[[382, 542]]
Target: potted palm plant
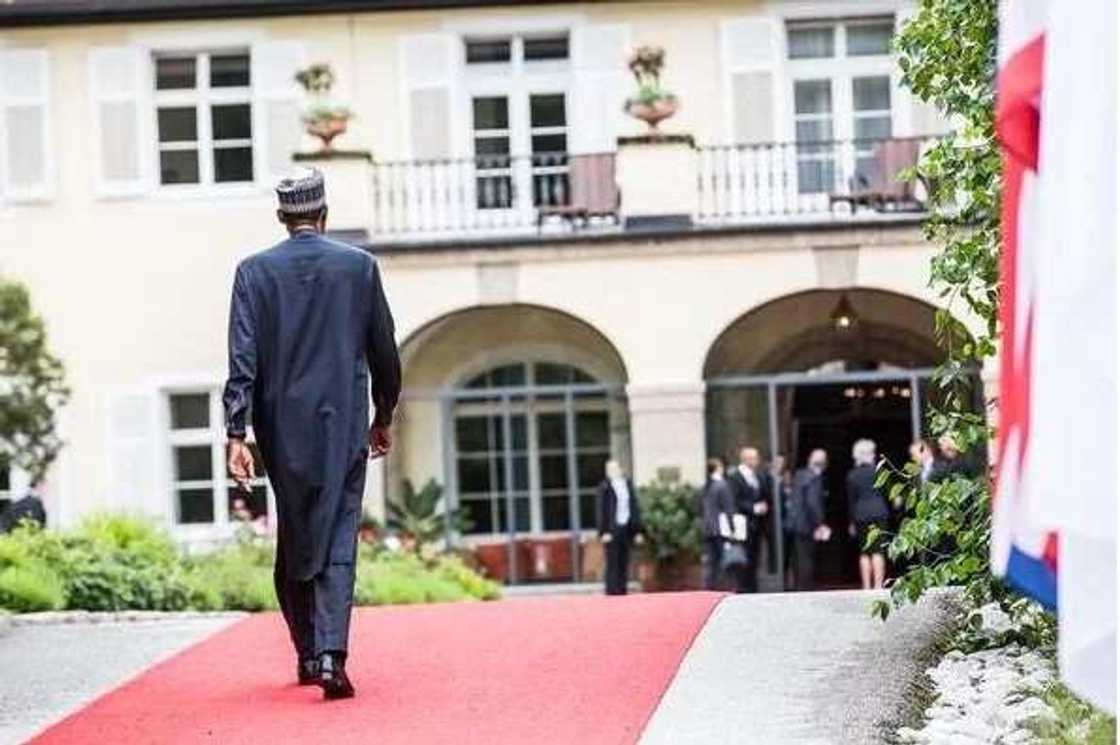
[[653, 102], [324, 118]]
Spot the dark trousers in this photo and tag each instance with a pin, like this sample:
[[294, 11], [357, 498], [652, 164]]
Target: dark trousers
[[804, 557], [754, 557], [712, 562], [317, 611], [618, 561]]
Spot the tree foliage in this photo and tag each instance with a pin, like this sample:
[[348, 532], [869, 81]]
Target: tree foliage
[[32, 385], [947, 53]]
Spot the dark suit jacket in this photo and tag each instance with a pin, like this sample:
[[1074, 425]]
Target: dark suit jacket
[[807, 502], [716, 498], [608, 503], [747, 496], [308, 326], [29, 507], [865, 502]]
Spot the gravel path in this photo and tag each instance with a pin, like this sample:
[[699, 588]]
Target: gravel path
[[51, 669], [810, 669]]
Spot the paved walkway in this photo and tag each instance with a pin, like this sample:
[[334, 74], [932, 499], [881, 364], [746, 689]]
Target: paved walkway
[[774, 669], [802, 669], [49, 671]]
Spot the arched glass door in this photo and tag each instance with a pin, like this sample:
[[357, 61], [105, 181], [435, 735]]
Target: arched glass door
[[529, 441]]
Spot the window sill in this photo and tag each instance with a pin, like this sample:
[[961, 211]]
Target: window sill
[[205, 192]]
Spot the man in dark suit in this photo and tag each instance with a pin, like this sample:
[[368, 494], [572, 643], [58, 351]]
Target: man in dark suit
[[29, 508], [717, 506], [309, 326], [620, 524], [753, 492], [807, 517]]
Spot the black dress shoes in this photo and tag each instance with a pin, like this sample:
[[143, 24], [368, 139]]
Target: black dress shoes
[[333, 678], [307, 671]]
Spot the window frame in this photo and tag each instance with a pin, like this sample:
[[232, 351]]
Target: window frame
[[531, 406], [203, 98], [841, 70], [220, 484], [517, 80]]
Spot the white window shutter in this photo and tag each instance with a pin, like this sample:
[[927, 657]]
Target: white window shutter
[[751, 50], [25, 163], [429, 63], [278, 104], [120, 82], [599, 53], [133, 454]]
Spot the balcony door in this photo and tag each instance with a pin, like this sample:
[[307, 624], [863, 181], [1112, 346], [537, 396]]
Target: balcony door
[[517, 110], [841, 91]]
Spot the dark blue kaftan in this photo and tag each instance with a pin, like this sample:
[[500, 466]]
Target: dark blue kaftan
[[309, 325]]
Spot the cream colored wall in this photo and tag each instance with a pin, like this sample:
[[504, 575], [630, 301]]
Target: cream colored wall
[[135, 291]]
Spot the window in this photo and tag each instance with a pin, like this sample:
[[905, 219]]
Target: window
[[204, 118], [517, 95], [202, 492], [841, 99], [521, 438]]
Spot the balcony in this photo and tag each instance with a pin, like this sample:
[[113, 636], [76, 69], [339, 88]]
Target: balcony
[[558, 194]]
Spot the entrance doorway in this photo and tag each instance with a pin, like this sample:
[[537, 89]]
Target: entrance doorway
[[832, 417], [822, 369]]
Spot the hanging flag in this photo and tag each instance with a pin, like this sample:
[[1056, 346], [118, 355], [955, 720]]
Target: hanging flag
[[1054, 508]]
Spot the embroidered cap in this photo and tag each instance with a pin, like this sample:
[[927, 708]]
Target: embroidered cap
[[303, 193]]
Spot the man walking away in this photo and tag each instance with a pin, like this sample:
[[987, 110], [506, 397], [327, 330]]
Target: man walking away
[[807, 517], [309, 325], [717, 505], [620, 523]]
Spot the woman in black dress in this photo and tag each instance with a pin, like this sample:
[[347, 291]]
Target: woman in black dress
[[869, 514]]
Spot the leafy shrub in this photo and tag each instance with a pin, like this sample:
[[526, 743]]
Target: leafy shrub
[[670, 521], [122, 563], [29, 588]]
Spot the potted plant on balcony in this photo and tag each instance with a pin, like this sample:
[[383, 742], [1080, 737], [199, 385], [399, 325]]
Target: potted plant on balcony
[[652, 103], [324, 118]]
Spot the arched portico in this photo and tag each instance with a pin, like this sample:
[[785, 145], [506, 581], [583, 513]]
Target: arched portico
[[514, 409], [821, 369]]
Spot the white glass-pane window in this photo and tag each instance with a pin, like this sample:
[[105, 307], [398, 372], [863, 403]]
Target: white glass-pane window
[[204, 118], [548, 130], [197, 461], [812, 101], [869, 38], [493, 167], [871, 122], [812, 42], [538, 457]]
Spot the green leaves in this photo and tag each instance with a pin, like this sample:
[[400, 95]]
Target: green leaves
[[670, 521], [419, 515], [32, 386]]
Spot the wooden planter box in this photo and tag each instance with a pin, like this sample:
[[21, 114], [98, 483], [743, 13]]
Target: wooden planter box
[[670, 577]]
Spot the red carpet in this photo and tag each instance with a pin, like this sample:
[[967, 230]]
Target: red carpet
[[571, 670]]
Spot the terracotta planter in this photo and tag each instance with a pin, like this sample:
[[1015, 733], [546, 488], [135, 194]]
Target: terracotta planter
[[652, 113], [670, 577], [326, 129]]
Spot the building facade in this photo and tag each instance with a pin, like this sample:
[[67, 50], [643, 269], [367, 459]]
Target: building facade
[[566, 287]]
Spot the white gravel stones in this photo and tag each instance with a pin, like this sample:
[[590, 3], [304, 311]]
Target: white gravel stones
[[990, 696], [50, 618]]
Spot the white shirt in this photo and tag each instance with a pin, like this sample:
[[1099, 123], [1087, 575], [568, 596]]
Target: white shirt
[[749, 475], [621, 502]]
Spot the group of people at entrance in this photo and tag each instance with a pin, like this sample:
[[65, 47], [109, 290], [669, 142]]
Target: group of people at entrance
[[735, 514]]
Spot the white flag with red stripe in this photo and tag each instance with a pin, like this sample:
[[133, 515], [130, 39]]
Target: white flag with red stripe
[[1054, 509]]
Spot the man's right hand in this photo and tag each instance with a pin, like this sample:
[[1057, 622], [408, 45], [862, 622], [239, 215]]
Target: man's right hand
[[380, 440], [239, 461], [605, 538]]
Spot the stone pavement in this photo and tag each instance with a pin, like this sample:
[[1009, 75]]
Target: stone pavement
[[48, 670], [797, 668]]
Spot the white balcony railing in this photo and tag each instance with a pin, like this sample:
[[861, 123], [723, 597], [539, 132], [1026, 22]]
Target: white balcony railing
[[505, 195]]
